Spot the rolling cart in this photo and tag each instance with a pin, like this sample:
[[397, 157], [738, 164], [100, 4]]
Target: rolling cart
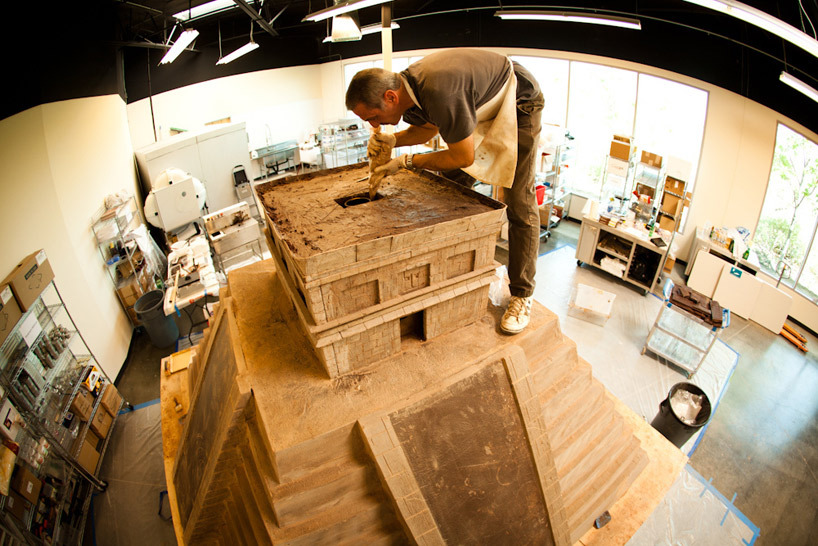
[[681, 337]]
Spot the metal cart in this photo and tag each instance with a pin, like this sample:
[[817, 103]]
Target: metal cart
[[681, 337]]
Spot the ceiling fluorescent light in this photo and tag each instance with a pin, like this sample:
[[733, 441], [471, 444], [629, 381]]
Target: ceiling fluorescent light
[[342, 7], [243, 50], [184, 40], [204, 9], [798, 85], [569, 17], [763, 20], [369, 29], [345, 28]]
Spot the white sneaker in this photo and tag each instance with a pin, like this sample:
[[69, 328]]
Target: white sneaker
[[517, 316]]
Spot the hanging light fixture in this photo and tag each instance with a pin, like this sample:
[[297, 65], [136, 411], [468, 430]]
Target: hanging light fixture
[[345, 28], [569, 17], [243, 50], [181, 43], [798, 85], [764, 20], [344, 6], [369, 29]]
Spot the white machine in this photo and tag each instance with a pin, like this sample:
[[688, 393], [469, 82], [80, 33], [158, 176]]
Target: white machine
[[232, 231], [176, 200]]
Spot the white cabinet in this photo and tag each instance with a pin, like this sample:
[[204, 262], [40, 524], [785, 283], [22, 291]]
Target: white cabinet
[[209, 155]]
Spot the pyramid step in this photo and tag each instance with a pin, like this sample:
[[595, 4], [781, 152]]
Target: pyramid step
[[368, 516], [599, 466], [534, 342], [582, 517], [561, 394], [603, 428], [577, 414], [323, 490], [550, 366]]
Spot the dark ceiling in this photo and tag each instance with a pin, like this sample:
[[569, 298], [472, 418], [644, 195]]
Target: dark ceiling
[[104, 46]]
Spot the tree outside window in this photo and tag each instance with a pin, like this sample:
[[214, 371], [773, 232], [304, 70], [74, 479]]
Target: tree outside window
[[784, 238]]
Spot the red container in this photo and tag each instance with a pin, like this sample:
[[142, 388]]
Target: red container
[[540, 194]]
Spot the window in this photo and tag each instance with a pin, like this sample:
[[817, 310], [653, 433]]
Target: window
[[785, 235], [670, 120], [552, 75], [601, 103]]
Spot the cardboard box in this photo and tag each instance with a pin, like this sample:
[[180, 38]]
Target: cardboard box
[[669, 263], [92, 439], [29, 279], [621, 150], [654, 160], [17, 506], [617, 167], [88, 455], [111, 399], [671, 204], [9, 420], [101, 423], [674, 185], [667, 223], [83, 404], [10, 312], [26, 483], [622, 138], [129, 290]]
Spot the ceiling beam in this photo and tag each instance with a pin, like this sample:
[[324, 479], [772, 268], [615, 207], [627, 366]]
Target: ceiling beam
[[255, 16]]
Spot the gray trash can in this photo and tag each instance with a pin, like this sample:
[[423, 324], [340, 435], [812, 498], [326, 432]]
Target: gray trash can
[[671, 425], [161, 328]]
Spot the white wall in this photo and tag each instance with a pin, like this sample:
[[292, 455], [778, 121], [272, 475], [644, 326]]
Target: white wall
[[276, 105], [58, 162]]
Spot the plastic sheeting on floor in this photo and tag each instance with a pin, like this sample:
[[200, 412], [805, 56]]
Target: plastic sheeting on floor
[[692, 513], [614, 349], [127, 512]]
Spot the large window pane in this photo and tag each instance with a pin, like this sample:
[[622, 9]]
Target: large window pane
[[670, 120], [601, 103], [786, 227], [552, 75]]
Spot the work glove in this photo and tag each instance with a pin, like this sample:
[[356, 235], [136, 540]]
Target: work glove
[[392, 166], [380, 143]]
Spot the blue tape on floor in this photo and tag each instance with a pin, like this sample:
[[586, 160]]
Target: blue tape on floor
[[729, 504], [140, 406], [556, 249]]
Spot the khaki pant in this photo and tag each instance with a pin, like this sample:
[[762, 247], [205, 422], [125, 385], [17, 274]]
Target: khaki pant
[[521, 200]]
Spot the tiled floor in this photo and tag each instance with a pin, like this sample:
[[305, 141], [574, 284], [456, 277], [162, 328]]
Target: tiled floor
[[761, 444]]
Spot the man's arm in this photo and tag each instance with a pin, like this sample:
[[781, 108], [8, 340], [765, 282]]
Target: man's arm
[[456, 156]]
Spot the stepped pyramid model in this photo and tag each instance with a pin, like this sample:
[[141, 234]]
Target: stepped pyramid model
[[356, 389]]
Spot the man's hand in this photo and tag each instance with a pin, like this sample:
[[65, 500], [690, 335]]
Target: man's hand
[[380, 143], [392, 167]]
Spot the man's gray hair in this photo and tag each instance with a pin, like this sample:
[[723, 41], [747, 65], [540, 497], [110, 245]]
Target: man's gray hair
[[368, 87]]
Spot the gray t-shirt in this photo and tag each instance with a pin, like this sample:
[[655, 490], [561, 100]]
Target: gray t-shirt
[[451, 85]]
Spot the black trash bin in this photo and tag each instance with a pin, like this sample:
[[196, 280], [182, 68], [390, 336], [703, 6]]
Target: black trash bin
[[671, 425], [161, 328]]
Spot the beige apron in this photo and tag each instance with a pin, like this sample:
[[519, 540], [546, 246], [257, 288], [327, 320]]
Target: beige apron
[[495, 137]]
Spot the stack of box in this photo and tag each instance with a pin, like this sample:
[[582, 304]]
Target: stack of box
[[87, 449], [622, 147], [358, 286]]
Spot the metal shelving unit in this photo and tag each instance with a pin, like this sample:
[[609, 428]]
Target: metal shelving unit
[[343, 142], [42, 388], [129, 272]]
